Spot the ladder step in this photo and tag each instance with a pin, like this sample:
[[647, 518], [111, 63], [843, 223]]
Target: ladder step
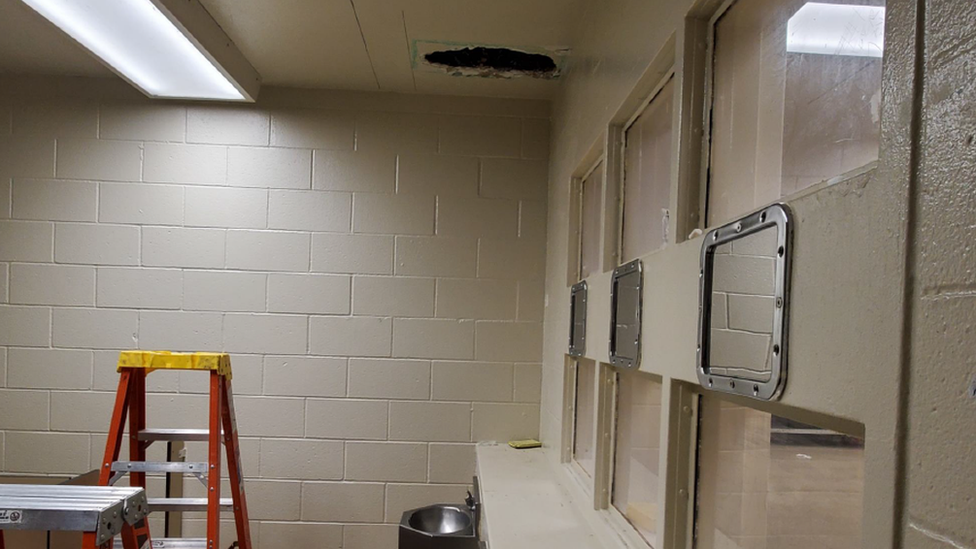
[[159, 467], [186, 504], [179, 543], [201, 435]]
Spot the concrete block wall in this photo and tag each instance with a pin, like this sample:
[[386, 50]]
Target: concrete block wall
[[743, 289], [376, 276], [941, 449]]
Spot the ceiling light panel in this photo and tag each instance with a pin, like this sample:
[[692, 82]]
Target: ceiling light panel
[[139, 41]]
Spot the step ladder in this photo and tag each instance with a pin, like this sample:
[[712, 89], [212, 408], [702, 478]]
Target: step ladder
[[130, 401]]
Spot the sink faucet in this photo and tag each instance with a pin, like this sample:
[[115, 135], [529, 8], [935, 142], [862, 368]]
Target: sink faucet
[[475, 507]]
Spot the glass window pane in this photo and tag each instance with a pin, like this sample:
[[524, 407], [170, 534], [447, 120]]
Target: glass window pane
[[584, 440], [637, 456], [765, 481], [590, 222], [647, 178], [796, 98]]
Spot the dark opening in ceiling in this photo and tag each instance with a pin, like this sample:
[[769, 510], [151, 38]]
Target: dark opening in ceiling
[[494, 62]]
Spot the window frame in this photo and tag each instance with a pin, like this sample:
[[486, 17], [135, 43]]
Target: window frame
[[707, 124], [812, 397], [706, 399], [593, 161], [621, 154], [586, 479], [617, 515], [596, 165]]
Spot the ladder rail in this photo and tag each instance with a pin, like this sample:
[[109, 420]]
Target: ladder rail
[[114, 443], [233, 447], [137, 536], [213, 457]]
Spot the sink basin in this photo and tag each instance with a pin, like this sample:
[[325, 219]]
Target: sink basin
[[440, 519], [442, 526]]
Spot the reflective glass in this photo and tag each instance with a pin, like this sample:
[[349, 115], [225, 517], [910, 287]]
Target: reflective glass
[[647, 178], [796, 98], [584, 439], [590, 202], [771, 483], [636, 471]]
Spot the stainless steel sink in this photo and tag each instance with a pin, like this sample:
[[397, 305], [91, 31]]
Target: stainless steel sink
[[442, 526], [440, 519]]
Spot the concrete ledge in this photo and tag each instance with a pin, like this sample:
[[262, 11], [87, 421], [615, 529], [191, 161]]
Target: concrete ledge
[[528, 502]]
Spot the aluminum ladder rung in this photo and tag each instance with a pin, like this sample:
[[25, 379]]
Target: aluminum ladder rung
[[179, 543], [198, 468], [196, 435], [172, 543], [186, 504]]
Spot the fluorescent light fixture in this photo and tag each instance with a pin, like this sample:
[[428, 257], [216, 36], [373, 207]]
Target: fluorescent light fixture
[[836, 29], [143, 42]]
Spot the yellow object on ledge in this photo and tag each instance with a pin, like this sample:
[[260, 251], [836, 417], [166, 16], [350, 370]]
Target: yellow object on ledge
[[166, 360], [525, 444]]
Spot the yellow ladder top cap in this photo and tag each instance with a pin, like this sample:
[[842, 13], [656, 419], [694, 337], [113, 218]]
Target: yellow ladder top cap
[[166, 360]]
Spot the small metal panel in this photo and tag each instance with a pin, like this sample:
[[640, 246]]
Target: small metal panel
[[577, 319], [743, 305], [626, 302]]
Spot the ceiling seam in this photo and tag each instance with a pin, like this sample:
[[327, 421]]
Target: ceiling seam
[[365, 45], [406, 37]]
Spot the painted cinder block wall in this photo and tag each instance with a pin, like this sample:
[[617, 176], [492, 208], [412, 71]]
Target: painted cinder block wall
[[940, 508], [373, 263]]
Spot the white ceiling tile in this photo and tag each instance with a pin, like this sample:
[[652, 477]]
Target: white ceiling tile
[[386, 37], [300, 43], [320, 43], [31, 45]]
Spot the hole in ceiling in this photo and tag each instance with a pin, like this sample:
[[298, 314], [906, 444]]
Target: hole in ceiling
[[493, 62]]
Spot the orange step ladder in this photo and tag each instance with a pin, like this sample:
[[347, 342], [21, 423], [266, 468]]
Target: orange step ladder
[[130, 400]]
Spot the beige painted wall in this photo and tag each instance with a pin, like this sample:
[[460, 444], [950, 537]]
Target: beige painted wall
[[373, 263], [602, 75], [849, 313], [941, 461]]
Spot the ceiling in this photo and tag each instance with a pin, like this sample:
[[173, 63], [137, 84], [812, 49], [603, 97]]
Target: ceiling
[[335, 44]]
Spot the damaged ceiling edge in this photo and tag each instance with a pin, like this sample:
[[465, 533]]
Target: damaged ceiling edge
[[487, 60]]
